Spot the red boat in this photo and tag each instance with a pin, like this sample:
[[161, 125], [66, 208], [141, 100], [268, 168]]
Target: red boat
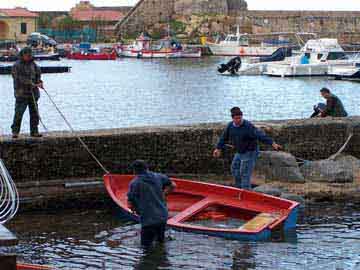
[[92, 55], [216, 210], [22, 266]]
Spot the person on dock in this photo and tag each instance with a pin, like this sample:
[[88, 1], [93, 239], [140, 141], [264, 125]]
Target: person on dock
[[27, 81], [147, 198], [334, 107], [243, 136]]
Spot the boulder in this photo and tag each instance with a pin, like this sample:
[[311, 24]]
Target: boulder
[[266, 189], [330, 171], [355, 163], [279, 166]]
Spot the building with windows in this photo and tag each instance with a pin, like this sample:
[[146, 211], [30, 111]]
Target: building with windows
[[17, 24]]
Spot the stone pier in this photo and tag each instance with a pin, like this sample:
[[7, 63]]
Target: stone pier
[[56, 168]]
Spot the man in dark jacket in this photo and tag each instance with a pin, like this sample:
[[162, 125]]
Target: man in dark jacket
[[334, 106], [27, 81], [243, 136], [146, 197]]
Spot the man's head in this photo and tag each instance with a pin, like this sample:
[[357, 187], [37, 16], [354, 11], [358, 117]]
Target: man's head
[[26, 54], [139, 166], [236, 115], [325, 92]]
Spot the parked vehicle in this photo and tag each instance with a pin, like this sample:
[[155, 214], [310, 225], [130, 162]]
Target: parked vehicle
[[35, 39]]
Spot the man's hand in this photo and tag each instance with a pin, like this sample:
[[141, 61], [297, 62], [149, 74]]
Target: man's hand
[[217, 153], [131, 207], [276, 146], [40, 85]]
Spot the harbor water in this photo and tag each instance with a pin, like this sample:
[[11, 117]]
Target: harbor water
[[327, 237], [140, 92]]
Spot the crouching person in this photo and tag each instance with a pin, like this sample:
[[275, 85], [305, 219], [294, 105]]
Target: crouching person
[[147, 198]]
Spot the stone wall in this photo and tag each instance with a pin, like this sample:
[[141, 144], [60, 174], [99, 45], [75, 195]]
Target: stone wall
[[144, 14], [173, 149], [344, 25]]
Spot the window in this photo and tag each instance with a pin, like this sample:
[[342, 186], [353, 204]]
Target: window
[[336, 56], [23, 27], [320, 55]]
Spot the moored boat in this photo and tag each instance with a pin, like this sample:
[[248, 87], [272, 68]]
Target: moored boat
[[24, 266], [317, 57], [84, 52], [145, 47], [215, 210]]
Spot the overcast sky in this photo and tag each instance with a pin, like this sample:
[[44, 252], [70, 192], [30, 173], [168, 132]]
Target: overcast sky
[[253, 4]]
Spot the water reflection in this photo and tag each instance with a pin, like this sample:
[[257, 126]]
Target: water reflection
[[89, 239], [153, 259], [243, 258]]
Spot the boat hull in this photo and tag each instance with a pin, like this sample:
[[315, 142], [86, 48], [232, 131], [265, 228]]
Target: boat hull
[[224, 50], [23, 266], [195, 202], [92, 56]]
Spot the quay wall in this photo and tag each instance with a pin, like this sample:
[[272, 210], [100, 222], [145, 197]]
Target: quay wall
[[45, 168], [172, 149]]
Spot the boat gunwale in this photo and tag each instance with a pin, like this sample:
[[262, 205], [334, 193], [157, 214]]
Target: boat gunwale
[[172, 222]]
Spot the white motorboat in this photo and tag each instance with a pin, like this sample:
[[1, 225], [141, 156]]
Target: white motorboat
[[317, 57], [239, 45], [350, 72]]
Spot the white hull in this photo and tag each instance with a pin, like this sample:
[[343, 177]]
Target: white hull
[[302, 70], [230, 50], [160, 54]]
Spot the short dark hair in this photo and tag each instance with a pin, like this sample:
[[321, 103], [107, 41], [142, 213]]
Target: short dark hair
[[139, 166], [325, 90], [235, 111]]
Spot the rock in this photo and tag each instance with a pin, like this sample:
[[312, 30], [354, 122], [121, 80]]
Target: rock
[[268, 190], [355, 163], [330, 171], [279, 166], [293, 197]]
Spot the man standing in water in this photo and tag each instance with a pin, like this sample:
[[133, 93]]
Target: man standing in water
[[27, 81], [146, 197], [243, 136]]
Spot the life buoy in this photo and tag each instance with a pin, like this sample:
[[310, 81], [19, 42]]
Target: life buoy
[[242, 51]]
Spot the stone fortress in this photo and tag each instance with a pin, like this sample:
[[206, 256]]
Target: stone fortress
[[195, 18]]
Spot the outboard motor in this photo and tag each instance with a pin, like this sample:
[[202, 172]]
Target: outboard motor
[[232, 66]]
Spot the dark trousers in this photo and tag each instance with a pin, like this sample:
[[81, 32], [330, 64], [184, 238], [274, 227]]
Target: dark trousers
[[151, 233], [20, 107]]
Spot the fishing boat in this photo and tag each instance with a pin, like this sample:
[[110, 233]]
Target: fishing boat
[[23, 266], [316, 58], [239, 45], [84, 52], [145, 47], [215, 210]]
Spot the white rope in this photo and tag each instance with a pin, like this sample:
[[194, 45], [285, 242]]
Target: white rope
[[9, 196], [71, 129]]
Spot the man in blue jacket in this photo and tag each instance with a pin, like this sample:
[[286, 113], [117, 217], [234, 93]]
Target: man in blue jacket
[[147, 198], [243, 136]]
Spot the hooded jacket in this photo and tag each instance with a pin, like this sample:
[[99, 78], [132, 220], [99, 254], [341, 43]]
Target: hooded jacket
[[26, 75], [146, 195]]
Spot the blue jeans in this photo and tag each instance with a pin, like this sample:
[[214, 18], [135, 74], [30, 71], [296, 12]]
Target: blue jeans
[[242, 167]]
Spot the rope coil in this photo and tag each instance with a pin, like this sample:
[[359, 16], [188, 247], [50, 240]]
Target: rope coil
[[9, 196]]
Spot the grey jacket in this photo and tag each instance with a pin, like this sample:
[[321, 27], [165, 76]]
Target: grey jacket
[[26, 75]]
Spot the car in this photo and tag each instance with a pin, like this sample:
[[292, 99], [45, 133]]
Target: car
[[34, 39]]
